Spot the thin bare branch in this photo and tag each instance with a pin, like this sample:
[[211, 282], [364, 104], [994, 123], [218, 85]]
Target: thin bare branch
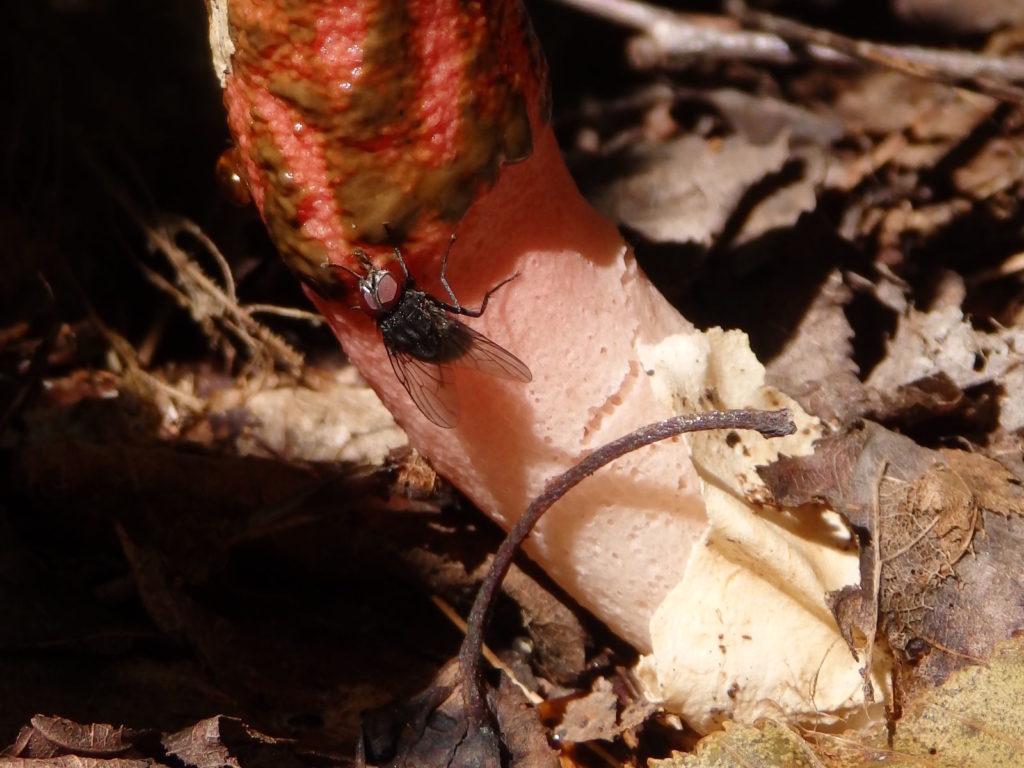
[[214, 308], [991, 75], [768, 423], [492, 658], [672, 39], [195, 231], [290, 312], [210, 305]]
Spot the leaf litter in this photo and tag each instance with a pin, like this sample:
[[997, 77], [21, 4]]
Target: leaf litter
[[863, 236], [917, 514]]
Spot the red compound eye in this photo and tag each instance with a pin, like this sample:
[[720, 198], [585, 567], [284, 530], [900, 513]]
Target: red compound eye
[[388, 291], [379, 292], [368, 299]]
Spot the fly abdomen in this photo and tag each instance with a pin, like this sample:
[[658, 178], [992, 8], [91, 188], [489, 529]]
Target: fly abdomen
[[419, 328]]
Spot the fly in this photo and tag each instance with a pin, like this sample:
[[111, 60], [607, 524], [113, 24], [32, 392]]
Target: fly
[[423, 339]]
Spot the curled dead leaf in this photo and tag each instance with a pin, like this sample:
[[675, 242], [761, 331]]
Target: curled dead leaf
[[935, 563]]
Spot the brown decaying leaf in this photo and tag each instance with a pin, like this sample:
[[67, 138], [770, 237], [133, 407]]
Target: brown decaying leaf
[[328, 416], [521, 730], [559, 639], [815, 366], [916, 513], [972, 720], [96, 739], [596, 716], [432, 729], [222, 740], [982, 604], [77, 761], [686, 190], [881, 103], [211, 743], [770, 745], [199, 744], [931, 361], [58, 741], [45, 738], [917, 401], [943, 343]]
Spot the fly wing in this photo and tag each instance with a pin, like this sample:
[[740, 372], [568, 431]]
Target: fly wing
[[430, 386], [479, 352]]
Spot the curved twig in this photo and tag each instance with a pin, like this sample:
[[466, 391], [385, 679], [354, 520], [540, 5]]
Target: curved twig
[[768, 423]]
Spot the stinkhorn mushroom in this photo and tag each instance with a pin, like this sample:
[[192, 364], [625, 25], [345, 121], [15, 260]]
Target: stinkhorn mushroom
[[366, 125]]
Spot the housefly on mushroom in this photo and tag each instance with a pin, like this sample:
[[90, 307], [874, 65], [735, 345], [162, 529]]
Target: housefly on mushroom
[[424, 340]]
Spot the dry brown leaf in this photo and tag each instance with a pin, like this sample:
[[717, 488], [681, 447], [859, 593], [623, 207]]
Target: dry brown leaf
[[816, 365], [916, 513], [227, 741], [331, 416], [687, 189], [95, 739], [215, 742], [973, 720], [58, 742], [769, 745], [917, 401], [982, 605], [934, 354], [596, 716], [432, 729], [76, 761], [559, 640], [943, 342], [761, 117], [996, 168], [521, 730], [883, 102], [200, 745]]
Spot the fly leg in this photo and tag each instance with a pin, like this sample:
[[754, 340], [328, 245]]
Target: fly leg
[[398, 254], [444, 281], [455, 307]]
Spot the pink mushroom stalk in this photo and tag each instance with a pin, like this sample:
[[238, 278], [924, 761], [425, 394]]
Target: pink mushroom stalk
[[365, 124], [349, 119], [575, 316]]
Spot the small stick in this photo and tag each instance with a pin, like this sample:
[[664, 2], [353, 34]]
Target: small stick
[[667, 35], [768, 423], [989, 74], [491, 657], [290, 312], [214, 308]]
